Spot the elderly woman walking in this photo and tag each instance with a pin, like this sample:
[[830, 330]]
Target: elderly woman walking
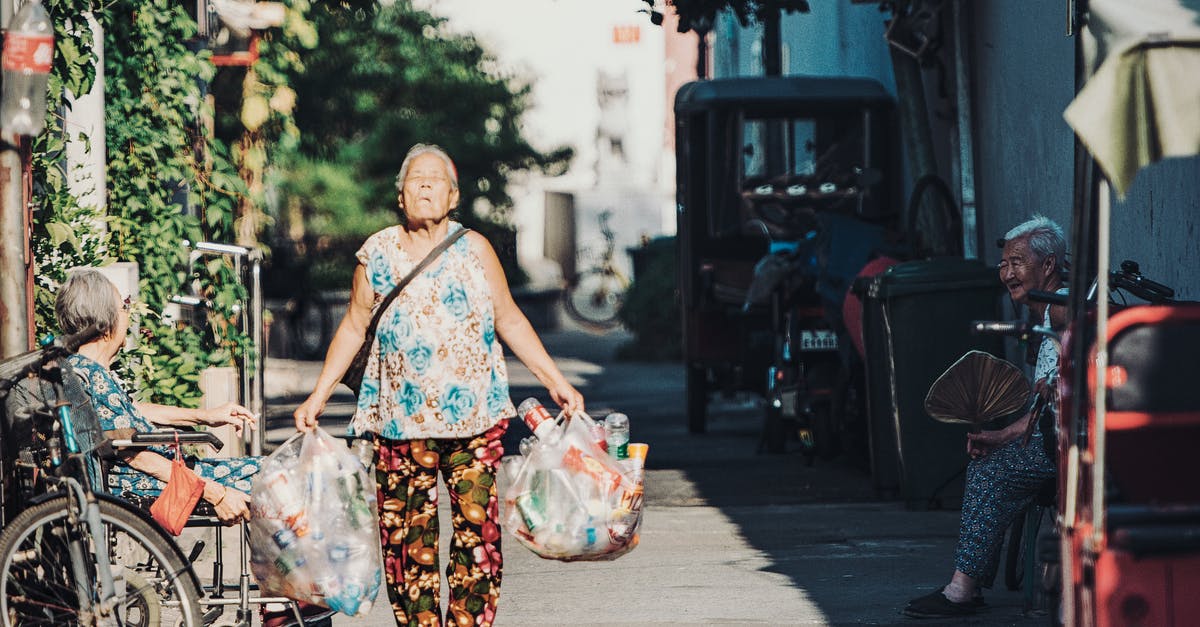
[[434, 396]]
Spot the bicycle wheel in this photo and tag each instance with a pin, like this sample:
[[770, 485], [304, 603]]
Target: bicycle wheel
[[311, 326], [596, 298], [39, 586]]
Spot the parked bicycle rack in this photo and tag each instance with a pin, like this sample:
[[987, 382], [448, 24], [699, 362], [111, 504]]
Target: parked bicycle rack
[[250, 375]]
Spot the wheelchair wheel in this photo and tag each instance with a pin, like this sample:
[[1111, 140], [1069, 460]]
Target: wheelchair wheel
[[40, 586]]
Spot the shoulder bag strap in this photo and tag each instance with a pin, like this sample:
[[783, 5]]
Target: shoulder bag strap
[[421, 265]]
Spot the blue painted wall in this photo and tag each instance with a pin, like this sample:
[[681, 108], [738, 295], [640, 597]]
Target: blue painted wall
[[1022, 79]]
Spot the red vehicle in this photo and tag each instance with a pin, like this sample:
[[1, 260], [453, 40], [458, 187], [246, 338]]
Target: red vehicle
[[1129, 420], [1129, 499]]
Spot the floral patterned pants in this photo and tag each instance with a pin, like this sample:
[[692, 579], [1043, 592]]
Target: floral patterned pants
[[406, 472], [999, 486]]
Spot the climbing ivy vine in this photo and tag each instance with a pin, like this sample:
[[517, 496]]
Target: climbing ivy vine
[[170, 181]]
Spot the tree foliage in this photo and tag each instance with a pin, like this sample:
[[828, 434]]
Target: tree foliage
[[384, 77], [169, 180], [387, 76]]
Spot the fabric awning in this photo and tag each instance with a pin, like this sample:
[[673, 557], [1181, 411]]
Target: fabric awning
[[1142, 103]]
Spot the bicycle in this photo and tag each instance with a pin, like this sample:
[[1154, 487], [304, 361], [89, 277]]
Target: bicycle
[[74, 555], [595, 296]]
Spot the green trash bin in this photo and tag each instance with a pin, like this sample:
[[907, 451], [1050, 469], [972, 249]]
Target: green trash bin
[[916, 323]]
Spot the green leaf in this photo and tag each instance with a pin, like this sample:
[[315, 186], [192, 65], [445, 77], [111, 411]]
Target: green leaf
[[61, 233]]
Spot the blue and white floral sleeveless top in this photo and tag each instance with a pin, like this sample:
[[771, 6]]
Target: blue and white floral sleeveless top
[[436, 369], [115, 409]]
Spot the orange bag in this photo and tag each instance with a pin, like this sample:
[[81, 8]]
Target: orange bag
[[172, 508]]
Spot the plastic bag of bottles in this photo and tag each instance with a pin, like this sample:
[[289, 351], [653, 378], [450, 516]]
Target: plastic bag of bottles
[[314, 526], [568, 499]]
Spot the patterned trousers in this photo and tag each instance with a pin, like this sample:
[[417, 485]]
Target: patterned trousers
[[406, 472], [999, 486]]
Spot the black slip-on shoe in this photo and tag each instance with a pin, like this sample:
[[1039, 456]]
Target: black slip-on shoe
[[936, 605]]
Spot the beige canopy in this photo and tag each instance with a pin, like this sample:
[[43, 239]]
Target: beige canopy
[[1142, 103]]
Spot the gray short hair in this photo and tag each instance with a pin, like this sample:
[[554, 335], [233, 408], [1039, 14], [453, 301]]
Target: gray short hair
[[421, 149], [86, 298], [1045, 238]]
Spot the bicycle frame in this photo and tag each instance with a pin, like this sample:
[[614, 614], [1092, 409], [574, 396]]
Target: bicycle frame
[[81, 490], [65, 462]]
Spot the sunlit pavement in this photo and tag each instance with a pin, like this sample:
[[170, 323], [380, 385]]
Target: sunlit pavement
[[730, 536]]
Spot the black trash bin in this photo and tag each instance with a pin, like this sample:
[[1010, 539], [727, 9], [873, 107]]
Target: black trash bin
[[916, 323]]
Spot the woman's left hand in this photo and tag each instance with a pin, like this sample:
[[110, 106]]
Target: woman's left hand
[[230, 414], [983, 443], [567, 397]]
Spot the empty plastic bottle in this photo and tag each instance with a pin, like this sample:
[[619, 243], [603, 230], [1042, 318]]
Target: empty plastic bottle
[[538, 419], [616, 433], [27, 57]]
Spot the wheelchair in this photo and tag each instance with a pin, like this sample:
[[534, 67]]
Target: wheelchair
[[160, 582]]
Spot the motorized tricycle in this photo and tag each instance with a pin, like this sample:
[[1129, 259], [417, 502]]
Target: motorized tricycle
[[785, 187]]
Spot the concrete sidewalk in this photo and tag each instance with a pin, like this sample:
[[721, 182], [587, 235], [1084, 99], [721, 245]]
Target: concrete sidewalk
[[730, 536]]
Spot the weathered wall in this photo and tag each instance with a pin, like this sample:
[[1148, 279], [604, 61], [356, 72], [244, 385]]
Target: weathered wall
[[1158, 225], [1023, 80], [1023, 68]]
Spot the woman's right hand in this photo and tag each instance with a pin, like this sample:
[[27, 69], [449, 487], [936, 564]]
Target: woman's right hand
[[231, 505], [307, 413]]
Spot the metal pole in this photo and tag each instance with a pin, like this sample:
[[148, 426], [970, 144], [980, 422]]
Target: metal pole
[[966, 145], [1099, 398], [255, 315], [250, 369], [14, 301], [772, 44]]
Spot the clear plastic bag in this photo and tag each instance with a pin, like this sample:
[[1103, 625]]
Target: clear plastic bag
[[314, 526], [568, 500]]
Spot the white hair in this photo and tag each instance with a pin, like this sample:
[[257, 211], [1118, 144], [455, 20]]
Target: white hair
[[1045, 238], [86, 298], [422, 149]]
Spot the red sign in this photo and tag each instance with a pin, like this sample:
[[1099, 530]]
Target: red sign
[[28, 53], [629, 34]]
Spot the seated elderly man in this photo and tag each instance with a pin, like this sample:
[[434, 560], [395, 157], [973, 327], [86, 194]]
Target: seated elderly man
[[89, 298]]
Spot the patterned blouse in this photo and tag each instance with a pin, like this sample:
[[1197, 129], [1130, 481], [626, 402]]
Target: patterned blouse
[[1046, 366], [436, 369], [115, 409]]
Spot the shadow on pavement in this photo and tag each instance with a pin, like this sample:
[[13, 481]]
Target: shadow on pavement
[[821, 527]]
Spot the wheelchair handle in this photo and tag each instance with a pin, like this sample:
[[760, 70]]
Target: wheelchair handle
[[164, 438], [1014, 328], [13, 369]]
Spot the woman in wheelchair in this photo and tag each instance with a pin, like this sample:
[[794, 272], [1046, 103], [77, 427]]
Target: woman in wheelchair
[[88, 297]]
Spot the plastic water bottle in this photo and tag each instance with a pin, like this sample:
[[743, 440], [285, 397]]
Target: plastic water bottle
[[616, 433], [538, 419], [364, 450], [27, 57]]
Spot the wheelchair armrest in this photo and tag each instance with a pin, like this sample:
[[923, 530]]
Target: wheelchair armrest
[[166, 437]]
